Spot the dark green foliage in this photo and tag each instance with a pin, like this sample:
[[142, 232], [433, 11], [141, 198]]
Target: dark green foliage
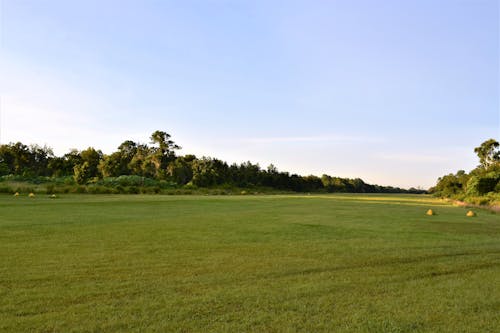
[[180, 170], [481, 185], [20, 159], [6, 189], [50, 189], [208, 172], [113, 165], [450, 185], [488, 153], [82, 173]]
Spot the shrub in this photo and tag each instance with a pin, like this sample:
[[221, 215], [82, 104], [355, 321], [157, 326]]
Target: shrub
[[6, 189], [50, 189], [132, 190], [481, 185], [25, 189], [96, 189], [79, 189]]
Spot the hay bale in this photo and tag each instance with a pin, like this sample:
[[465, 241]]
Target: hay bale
[[31, 195], [470, 213], [430, 212], [16, 194]]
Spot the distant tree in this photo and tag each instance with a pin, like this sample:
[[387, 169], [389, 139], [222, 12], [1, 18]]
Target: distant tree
[[141, 164], [128, 149], [70, 160], [481, 185], [7, 160], [85, 164], [39, 158], [312, 183], [451, 184], [92, 157], [488, 153], [113, 165], [55, 166], [181, 169], [209, 172], [118, 163], [20, 158], [82, 173], [358, 185], [160, 161], [270, 176], [245, 174], [163, 153], [480, 181]]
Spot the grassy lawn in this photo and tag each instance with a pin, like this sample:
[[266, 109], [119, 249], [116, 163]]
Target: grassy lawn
[[319, 263]]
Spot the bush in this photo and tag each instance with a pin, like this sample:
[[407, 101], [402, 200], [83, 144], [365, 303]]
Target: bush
[[132, 190], [477, 185], [80, 189], [96, 189], [25, 189], [50, 189], [6, 189]]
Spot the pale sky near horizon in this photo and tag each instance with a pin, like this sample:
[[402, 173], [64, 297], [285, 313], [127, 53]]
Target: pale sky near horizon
[[394, 92]]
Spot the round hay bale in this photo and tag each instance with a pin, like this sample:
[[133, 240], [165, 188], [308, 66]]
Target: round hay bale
[[31, 195], [430, 212], [16, 194], [470, 213]]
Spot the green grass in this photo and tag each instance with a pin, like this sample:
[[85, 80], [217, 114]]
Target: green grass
[[330, 263]]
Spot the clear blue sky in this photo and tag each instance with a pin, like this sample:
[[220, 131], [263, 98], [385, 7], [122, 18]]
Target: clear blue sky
[[395, 92]]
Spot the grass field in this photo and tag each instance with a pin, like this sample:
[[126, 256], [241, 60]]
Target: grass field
[[332, 263]]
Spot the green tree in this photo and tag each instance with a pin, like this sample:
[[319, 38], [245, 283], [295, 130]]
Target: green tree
[[181, 169], [82, 173], [92, 157], [162, 153], [112, 165], [86, 164], [128, 149], [488, 153], [141, 164], [70, 160], [209, 172]]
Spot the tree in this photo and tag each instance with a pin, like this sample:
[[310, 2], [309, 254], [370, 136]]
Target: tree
[[38, 160], [112, 165], [92, 157], [246, 174], [209, 172], [141, 164], [488, 153], [162, 154], [18, 157], [481, 185], [86, 164], [181, 169], [7, 160], [118, 163], [82, 173], [128, 149]]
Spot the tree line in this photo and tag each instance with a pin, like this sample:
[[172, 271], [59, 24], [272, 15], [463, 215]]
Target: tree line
[[481, 185], [158, 161]]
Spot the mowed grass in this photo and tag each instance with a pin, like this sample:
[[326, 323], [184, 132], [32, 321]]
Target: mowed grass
[[319, 263]]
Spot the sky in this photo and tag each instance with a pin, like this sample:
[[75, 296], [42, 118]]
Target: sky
[[394, 92]]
